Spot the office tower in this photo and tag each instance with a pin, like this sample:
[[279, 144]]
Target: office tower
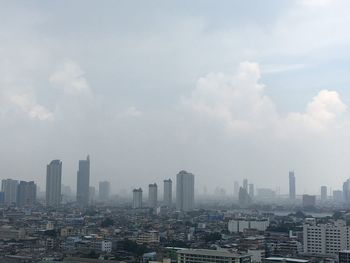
[[323, 193], [309, 201], [26, 193], [184, 191], [292, 185], [53, 183], [137, 198], [168, 192], [152, 195], [245, 184], [9, 187], [251, 190], [104, 188], [243, 197], [236, 189], [83, 182]]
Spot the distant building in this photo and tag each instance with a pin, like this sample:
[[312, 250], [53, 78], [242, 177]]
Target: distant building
[[344, 256], [309, 200], [239, 225], [292, 192], [208, 255], [346, 191], [265, 193], [168, 192], [83, 182], [53, 183], [9, 187], [323, 193], [184, 191], [338, 196], [153, 195], [26, 193], [251, 190], [243, 198], [104, 189], [92, 194], [137, 198], [245, 184], [236, 189]]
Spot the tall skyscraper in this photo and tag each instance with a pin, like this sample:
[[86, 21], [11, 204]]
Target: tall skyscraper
[[152, 195], [346, 191], [168, 192], [26, 193], [184, 191], [53, 183], [251, 190], [137, 198], [104, 188], [236, 189], [245, 184], [83, 182], [323, 193], [9, 187], [292, 192]]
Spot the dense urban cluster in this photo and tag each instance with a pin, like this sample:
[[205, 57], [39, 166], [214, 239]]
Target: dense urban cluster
[[241, 227]]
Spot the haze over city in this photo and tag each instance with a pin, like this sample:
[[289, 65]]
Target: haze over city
[[149, 88]]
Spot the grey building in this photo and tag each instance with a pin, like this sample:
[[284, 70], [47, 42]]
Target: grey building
[[53, 183], [152, 195], [26, 193], [104, 189], [184, 191], [323, 193], [9, 187], [137, 198], [292, 192], [83, 182], [168, 192]]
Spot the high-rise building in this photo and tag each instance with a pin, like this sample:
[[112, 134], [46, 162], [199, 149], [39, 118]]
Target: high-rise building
[[9, 187], [137, 198], [104, 189], [92, 194], [292, 192], [338, 196], [168, 192], [309, 200], [184, 191], [346, 191], [243, 197], [53, 183], [236, 189], [245, 184], [323, 193], [83, 182], [26, 193], [152, 195], [251, 190]]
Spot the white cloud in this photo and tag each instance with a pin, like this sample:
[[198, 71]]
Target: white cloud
[[70, 78]]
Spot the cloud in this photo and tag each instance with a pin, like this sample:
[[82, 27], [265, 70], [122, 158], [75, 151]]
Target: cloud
[[69, 77], [27, 103]]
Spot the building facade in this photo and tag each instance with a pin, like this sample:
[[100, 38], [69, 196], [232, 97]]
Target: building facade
[[83, 182], [213, 256], [152, 195], [9, 187], [26, 194], [53, 183], [137, 198], [184, 191], [168, 193]]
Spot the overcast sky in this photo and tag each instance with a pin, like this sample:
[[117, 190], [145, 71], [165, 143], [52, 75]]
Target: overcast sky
[[224, 89]]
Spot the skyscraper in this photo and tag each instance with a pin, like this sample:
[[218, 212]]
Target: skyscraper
[[184, 191], [83, 182], [251, 190], [245, 184], [137, 198], [26, 193], [152, 195], [291, 185], [168, 192], [53, 183], [9, 187], [104, 188], [346, 191], [323, 193], [243, 198]]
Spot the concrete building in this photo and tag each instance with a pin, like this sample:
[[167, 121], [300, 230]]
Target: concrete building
[[9, 187], [309, 201], [207, 255], [26, 194], [239, 225], [168, 193], [323, 193], [53, 183], [83, 182], [346, 191], [152, 195], [184, 191], [137, 198], [326, 239], [104, 189], [148, 237], [292, 191]]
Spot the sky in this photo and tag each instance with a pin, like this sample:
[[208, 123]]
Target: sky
[[226, 90]]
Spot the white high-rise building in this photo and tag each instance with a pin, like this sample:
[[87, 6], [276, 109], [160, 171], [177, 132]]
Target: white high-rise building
[[53, 183], [137, 198], [184, 191], [83, 182], [152, 195], [104, 189], [9, 187], [168, 192], [326, 239], [292, 192]]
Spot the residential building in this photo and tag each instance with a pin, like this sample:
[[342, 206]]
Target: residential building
[[152, 195], [241, 224], [83, 182], [184, 191], [26, 193], [53, 183], [207, 255], [9, 187], [137, 198], [168, 193]]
